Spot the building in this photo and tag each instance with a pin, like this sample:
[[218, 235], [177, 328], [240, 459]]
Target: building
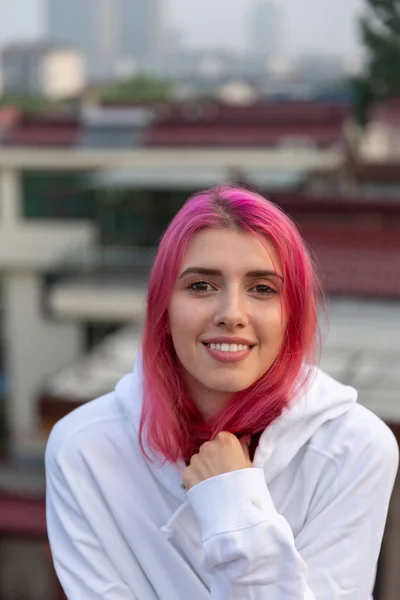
[[114, 36], [306, 127], [140, 33], [376, 165], [319, 68], [205, 70], [9, 116], [90, 26], [33, 345], [114, 127], [41, 69], [273, 146], [265, 29]]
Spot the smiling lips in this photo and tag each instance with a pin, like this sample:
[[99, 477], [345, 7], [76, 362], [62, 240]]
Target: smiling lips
[[231, 350], [228, 347]]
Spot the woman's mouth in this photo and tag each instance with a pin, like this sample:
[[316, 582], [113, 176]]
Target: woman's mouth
[[228, 353], [229, 347]]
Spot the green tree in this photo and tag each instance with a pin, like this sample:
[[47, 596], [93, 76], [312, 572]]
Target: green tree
[[380, 32], [141, 88], [30, 104]]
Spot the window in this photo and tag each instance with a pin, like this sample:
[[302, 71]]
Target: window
[[56, 196]]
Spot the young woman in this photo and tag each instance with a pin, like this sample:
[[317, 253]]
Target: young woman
[[227, 465]]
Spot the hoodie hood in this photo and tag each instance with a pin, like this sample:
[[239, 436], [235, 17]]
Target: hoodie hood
[[325, 399]]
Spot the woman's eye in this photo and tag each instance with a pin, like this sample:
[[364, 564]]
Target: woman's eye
[[201, 286], [264, 290]]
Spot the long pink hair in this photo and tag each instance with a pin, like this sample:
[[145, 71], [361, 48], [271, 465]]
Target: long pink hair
[[171, 425]]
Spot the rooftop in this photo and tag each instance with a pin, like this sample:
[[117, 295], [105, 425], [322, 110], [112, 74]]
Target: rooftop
[[301, 125], [36, 46], [387, 112], [309, 123], [356, 262], [39, 131]]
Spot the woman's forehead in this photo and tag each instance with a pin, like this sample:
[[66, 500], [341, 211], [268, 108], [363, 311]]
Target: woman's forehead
[[225, 249]]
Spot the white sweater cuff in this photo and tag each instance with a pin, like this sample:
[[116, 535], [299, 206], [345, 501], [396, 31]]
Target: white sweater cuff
[[231, 501]]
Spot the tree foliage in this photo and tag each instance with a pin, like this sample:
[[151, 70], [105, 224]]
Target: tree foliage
[[141, 88], [30, 104], [380, 32]]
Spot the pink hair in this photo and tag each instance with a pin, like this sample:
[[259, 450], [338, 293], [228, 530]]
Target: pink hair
[[170, 422]]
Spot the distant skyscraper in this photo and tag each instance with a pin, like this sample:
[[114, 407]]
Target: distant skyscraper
[[140, 29], [107, 31], [39, 69], [88, 25], [265, 29]]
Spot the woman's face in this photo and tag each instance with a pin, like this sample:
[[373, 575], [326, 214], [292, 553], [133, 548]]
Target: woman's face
[[225, 314]]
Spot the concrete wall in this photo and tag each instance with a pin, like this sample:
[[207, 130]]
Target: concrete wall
[[34, 346], [381, 142]]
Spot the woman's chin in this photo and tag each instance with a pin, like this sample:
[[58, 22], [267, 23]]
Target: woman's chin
[[230, 386]]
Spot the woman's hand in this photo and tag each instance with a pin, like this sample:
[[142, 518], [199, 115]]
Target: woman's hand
[[223, 454]]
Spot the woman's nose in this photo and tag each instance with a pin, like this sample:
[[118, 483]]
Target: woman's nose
[[231, 311]]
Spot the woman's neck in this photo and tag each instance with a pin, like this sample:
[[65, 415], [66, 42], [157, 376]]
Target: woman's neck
[[209, 402]]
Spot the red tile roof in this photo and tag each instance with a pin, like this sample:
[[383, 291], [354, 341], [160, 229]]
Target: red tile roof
[[382, 172], [360, 262], [41, 131], [23, 516], [261, 124], [259, 134], [204, 124], [8, 116], [273, 111], [387, 112], [265, 111], [334, 204]]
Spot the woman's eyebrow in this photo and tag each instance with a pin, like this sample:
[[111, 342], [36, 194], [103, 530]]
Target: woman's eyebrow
[[200, 271], [263, 273], [218, 273]]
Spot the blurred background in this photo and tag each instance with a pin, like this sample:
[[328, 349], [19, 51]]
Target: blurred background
[[112, 112]]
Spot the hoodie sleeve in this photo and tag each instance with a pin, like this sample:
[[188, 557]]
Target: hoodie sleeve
[[83, 568], [251, 552]]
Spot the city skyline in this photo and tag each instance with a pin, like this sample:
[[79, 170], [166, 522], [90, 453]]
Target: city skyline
[[310, 26], [265, 29]]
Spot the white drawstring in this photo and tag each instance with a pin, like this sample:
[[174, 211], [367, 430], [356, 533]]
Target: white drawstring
[[167, 529]]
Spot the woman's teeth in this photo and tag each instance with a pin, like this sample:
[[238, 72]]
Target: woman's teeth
[[228, 347]]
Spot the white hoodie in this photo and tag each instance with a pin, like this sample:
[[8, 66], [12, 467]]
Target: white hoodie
[[305, 523]]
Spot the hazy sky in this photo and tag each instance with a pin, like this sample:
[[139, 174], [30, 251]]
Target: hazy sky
[[310, 25], [20, 19]]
